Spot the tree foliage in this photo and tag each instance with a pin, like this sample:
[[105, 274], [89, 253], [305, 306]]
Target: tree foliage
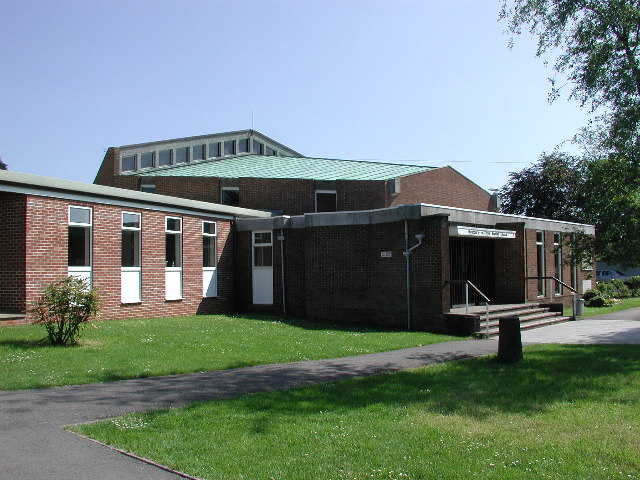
[[551, 188], [63, 308], [3, 166], [596, 43]]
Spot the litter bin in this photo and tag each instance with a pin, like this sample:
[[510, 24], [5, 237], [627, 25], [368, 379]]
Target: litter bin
[[580, 307]]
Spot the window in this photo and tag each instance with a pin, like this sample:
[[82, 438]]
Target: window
[[173, 258], [148, 160], [230, 147], [214, 149], [258, 148], [326, 201], [262, 249], [269, 151], [243, 145], [209, 259], [79, 243], [574, 265], [182, 155], [540, 259], [130, 272], [557, 249], [166, 157], [230, 196], [173, 242], [198, 152], [128, 163], [130, 239], [148, 187]]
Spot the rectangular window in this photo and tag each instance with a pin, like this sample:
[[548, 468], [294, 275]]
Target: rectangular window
[[166, 157], [209, 259], [148, 160], [326, 201], [243, 145], [173, 242], [230, 196], [540, 259], [148, 187], [198, 152], [214, 149], [173, 258], [230, 147], [258, 148], [182, 155], [262, 249], [128, 163], [79, 242], [131, 274], [557, 248], [269, 151]]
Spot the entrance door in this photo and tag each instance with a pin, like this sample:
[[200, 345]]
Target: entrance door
[[472, 259], [262, 268]]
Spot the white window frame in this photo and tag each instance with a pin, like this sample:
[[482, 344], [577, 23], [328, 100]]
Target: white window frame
[[131, 277], [315, 198], [557, 246], [136, 162], [85, 272], [173, 274], [210, 274]]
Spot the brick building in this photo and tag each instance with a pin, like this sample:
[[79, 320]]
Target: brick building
[[250, 170], [239, 222]]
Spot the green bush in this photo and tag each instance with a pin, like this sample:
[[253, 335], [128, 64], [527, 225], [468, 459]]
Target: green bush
[[634, 286], [595, 301], [63, 308], [613, 289]]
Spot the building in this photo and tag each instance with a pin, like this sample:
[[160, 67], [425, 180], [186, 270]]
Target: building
[[384, 244], [250, 170]]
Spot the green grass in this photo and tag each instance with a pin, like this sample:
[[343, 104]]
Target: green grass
[[122, 349], [570, 412], [624, 304]]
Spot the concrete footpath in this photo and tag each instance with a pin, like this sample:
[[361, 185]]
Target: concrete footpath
[[34, 446]]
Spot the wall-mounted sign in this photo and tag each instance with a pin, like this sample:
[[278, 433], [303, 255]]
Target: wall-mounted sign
[[463, 231], [385, 254]]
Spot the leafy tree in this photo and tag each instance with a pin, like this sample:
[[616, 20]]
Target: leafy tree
[[3, 166], [612, 203], [551, 188], [64, 307], [596, 42]]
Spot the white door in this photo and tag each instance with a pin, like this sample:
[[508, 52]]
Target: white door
[[262, 272]]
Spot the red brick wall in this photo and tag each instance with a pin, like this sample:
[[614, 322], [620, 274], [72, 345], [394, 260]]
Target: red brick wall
[[108, 168], [204, 189], [292, 196], [510, 262], [441, 186], [360, 194], [12, 253], [47, 221]]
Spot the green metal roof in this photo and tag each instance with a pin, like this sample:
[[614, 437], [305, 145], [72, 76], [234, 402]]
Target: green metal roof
[[260, 166]]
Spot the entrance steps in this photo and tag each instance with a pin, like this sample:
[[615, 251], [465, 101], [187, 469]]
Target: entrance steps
[[531, 315]]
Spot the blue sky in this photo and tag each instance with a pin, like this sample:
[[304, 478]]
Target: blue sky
[[421, 82]]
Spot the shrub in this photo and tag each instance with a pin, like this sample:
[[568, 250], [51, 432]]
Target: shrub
[[589, 294], [634, 286], [63, 308], [595, 301], [613, 289]]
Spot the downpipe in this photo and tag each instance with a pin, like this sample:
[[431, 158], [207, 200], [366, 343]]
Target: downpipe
[[407, 254], [282, 279]]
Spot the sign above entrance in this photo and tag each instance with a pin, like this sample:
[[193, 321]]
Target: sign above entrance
[[463, 231]]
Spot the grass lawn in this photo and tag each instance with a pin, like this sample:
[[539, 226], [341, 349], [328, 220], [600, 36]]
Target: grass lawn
[[121, 349], [570, 412], [624, 304]]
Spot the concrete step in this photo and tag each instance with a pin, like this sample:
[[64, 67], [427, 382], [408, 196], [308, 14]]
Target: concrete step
[[11, 319], [535, 314], [540, 322]]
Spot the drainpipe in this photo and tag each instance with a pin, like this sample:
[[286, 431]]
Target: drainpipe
[[282, 280], [407, 253]]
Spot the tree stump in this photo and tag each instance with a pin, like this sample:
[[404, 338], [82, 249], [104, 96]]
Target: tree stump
[[509, 340]]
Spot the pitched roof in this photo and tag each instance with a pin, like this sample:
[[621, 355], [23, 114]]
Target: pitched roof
[[260, 166]]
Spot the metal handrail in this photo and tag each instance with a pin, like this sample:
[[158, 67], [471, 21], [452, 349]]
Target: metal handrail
[[466, 299], [574, 292]]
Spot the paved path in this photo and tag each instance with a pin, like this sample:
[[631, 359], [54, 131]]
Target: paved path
[[34, 446], [619, 327]]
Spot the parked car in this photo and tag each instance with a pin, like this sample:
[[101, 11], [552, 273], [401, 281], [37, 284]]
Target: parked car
[[604, 275]]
